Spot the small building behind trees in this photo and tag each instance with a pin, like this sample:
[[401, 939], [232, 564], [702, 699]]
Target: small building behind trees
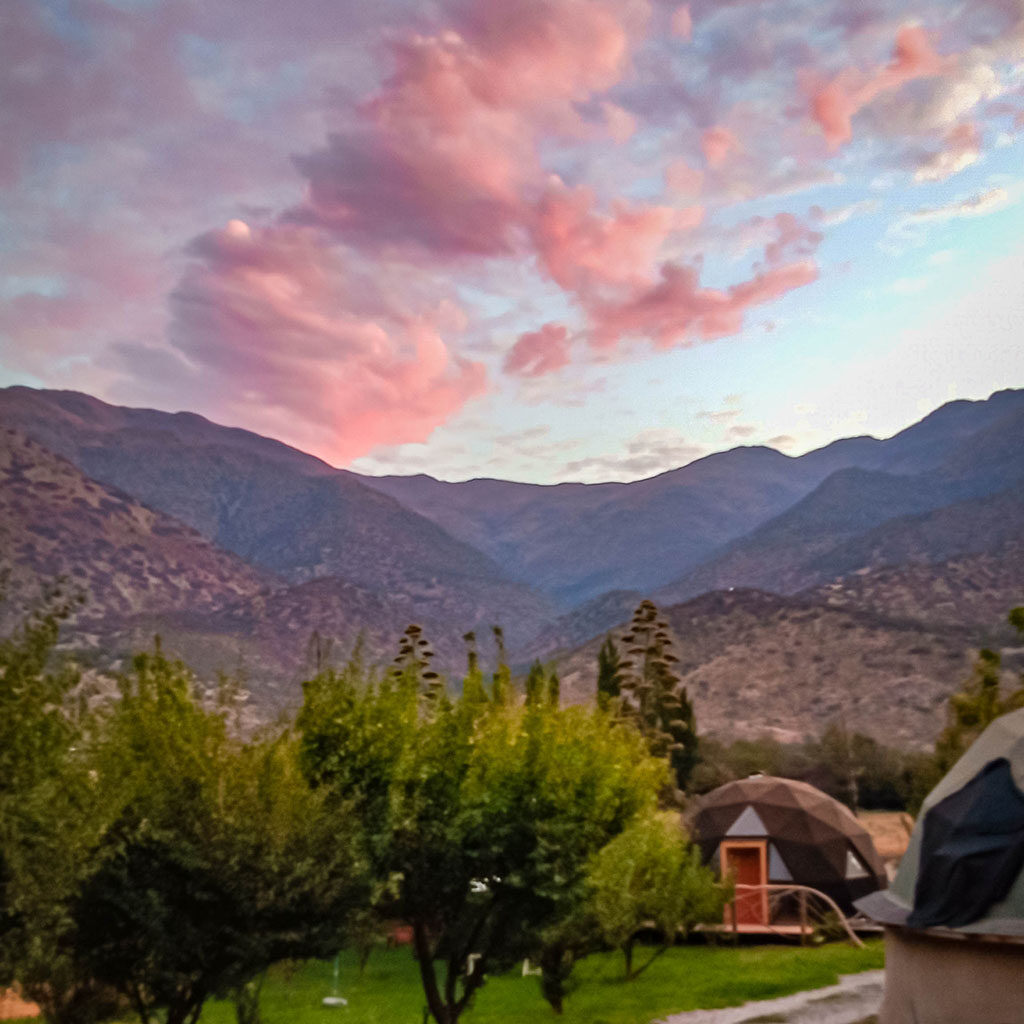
[[778, 838], [954, 916]]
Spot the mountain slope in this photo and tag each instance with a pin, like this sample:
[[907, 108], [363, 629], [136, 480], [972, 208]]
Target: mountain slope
[[858, 519], [126, 558], [578, 540], [276, 507], [755, 662]]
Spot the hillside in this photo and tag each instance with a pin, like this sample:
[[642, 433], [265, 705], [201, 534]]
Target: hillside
[[858, 519], [578, 540], [271, 640], [277, 508], [969, 591], [755, 662], [125, 558]]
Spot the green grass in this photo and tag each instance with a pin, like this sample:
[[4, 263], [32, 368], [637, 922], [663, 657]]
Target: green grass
[[685, 978]]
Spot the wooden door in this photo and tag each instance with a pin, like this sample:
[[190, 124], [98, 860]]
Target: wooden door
[[746, 863]]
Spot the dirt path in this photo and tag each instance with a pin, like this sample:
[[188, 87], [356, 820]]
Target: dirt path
[[854, 1000]]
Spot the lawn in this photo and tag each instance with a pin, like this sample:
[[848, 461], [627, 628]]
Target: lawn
[[685, 978]]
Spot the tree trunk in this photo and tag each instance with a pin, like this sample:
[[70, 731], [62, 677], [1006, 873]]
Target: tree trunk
[[425, 958], [553, 974], [627, 952]]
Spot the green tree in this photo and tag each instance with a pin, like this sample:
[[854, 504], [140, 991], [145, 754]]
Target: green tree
[[222, 860], [482, 814], [542, 685], [51, 817], [657, 701], [980, 702], [609, 673], [651, 875]]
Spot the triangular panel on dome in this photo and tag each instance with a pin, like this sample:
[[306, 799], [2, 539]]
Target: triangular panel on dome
[[854, 867], [749, 823], [777, 870]]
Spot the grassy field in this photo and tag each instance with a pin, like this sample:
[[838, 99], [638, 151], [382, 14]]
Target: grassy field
[[685, 978]]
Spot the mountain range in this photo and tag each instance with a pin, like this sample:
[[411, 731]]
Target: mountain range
[[803, 580]]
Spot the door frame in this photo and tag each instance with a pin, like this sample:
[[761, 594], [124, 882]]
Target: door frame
[[761, 845]]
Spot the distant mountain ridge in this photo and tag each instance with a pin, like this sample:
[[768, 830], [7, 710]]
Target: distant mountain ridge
[[236, 548]]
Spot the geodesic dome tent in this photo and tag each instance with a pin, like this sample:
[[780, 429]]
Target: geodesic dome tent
[[798, 834], [955, 912]]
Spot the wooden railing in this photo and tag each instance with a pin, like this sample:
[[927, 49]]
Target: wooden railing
[[788, 910]]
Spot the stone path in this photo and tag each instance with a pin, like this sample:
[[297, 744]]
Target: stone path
[[856, 997]]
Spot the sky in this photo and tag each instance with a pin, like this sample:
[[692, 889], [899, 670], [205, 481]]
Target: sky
[[540, 240]]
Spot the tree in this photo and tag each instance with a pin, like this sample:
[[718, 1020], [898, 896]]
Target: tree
[[222, 860], [651, 875], [657, 700], [542, 685], [609, 673], [51, 817], [980, 702], [483, 813]]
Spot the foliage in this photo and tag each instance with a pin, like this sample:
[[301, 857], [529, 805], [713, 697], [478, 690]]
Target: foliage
[[35, 731], [221, 862], [610, 675], [482, 812], [652, 876], [981, 701], [542, 684], [850, 767], [656, 700], [51, 817]]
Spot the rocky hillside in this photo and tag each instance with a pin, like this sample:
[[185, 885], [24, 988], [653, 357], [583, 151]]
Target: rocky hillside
[[755, 662], [123, 557], [274, 640]]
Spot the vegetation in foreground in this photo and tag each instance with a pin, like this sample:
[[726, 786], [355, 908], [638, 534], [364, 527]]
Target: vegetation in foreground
[[685, 978], [154, 857]]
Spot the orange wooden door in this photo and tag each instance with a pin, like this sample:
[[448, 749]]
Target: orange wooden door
[[746, 866]]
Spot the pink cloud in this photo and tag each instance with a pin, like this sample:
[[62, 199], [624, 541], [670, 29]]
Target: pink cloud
[[621, 124], [783, 238], [580, 247], [608, 263], [682, 22], [277, 330], [794, 239], [682, 178], [717, 143], [834, 103], [448, 145], [678, 310], [539, 352]]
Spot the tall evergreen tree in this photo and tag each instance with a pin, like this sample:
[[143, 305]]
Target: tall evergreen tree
[[609, 673], [655, 698], [536, 684]]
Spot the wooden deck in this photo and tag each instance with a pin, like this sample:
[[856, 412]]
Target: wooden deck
[[789, 930]]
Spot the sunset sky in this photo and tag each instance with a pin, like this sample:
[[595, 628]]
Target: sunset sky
[[542, 240]]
